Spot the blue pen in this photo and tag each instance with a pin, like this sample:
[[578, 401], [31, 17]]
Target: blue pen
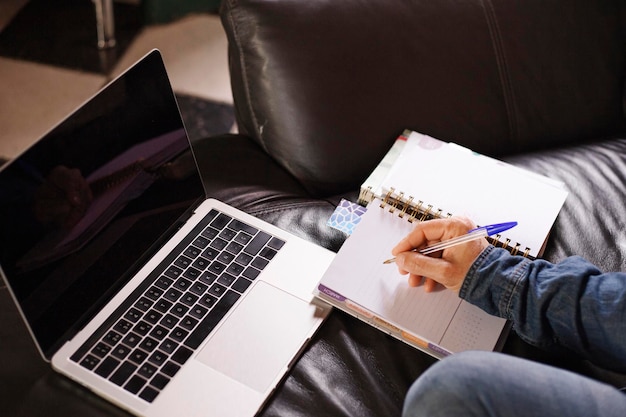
[[479, 232]]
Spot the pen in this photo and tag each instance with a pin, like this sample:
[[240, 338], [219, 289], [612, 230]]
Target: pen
[[479, 232]]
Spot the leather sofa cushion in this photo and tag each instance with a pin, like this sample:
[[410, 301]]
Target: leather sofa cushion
[[324, 86]]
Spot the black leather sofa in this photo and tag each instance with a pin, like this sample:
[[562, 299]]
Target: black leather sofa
[[321, 90]]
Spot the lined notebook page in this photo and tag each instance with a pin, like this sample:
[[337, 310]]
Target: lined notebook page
[[358, 274], [463, 183]]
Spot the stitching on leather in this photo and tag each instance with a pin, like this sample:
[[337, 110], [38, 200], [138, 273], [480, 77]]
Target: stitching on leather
[[503, 72], [288, 206], [244, 72]]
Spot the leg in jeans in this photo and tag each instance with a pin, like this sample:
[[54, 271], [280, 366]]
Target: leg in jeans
[[494, 384]]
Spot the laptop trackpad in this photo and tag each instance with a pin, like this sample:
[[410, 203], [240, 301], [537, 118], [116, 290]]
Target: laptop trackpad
[[261, 337]]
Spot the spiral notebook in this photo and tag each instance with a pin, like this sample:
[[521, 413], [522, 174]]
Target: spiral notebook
[[425, 178]]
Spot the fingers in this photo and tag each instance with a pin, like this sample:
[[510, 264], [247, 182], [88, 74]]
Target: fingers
[[431, 231], [447, 267]]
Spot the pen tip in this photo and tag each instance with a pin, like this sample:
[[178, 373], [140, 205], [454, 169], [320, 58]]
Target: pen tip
[[389, 261]]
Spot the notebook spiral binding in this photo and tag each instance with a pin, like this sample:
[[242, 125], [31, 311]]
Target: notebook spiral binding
[[421, 211]]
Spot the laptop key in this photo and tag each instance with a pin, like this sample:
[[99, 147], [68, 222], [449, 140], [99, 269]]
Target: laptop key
[[210, 233], [251, 273], [133, 315], [169, 321], [234, 247], [163, 282], [135, 384], [217, 268], [173, 294], [89, 362], [219, 244], [122, 373], [181, 355], [198, 311], [182, 262], [235, 269], [148, 394], [192, 273], [131, 339], [112, 338], [159, 333], [153, 316], [239, 225], [208, 301], [107, 367], [154, 293], [208, 277], [179, 310], [147, 370], [276, 243], [257, 243], [198, 288], [157, 358], [201, 263], [243, 259], [101, 349], [173, 272], [168, 346], [143, 304], [259, 263], [163, 305], [123, 326], [243, 238], [211, 320], [201, 242], [268, 253], [188, 323], [221, 221], [241, 284], [225, 257], [159, 381], [142, 328], [192, 252], [190, 298], [217, 290], [120, 352], [138, 356], [226, 279], [170, 369], [179, 334], [228, 234]]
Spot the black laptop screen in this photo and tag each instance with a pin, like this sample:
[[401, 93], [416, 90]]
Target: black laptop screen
[[84, 205]]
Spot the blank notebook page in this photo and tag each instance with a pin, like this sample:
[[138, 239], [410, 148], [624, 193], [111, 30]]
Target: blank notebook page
[[488, 191], [358, 273]]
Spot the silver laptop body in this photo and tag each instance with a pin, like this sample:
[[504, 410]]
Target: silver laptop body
[[135, 284]]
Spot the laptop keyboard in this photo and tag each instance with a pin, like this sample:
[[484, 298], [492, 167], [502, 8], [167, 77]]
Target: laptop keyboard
[[144, 344]]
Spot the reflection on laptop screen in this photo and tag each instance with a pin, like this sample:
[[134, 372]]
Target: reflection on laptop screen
[[80, 208]]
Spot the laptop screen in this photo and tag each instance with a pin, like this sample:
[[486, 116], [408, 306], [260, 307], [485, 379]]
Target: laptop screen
[[87, 203]]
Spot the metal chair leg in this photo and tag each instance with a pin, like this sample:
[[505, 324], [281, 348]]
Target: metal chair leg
[[105, 23]]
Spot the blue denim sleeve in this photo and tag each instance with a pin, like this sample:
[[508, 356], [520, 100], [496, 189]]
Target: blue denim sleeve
[[570, 304]]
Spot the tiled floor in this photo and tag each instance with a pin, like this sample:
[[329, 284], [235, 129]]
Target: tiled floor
[[38, 86]]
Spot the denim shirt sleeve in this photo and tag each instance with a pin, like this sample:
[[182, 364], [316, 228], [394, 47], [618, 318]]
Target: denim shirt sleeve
[[570, 304]]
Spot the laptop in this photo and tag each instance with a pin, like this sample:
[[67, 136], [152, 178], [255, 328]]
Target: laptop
[[135, 284]]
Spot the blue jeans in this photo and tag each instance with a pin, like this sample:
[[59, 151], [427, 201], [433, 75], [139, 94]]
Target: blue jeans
[[495, 384]]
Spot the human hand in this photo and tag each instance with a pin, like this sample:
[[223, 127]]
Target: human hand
[[450, 266], [63, 198]]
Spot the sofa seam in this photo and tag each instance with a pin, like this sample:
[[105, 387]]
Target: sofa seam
[[288, 206], [244, 72], [503, 72]]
